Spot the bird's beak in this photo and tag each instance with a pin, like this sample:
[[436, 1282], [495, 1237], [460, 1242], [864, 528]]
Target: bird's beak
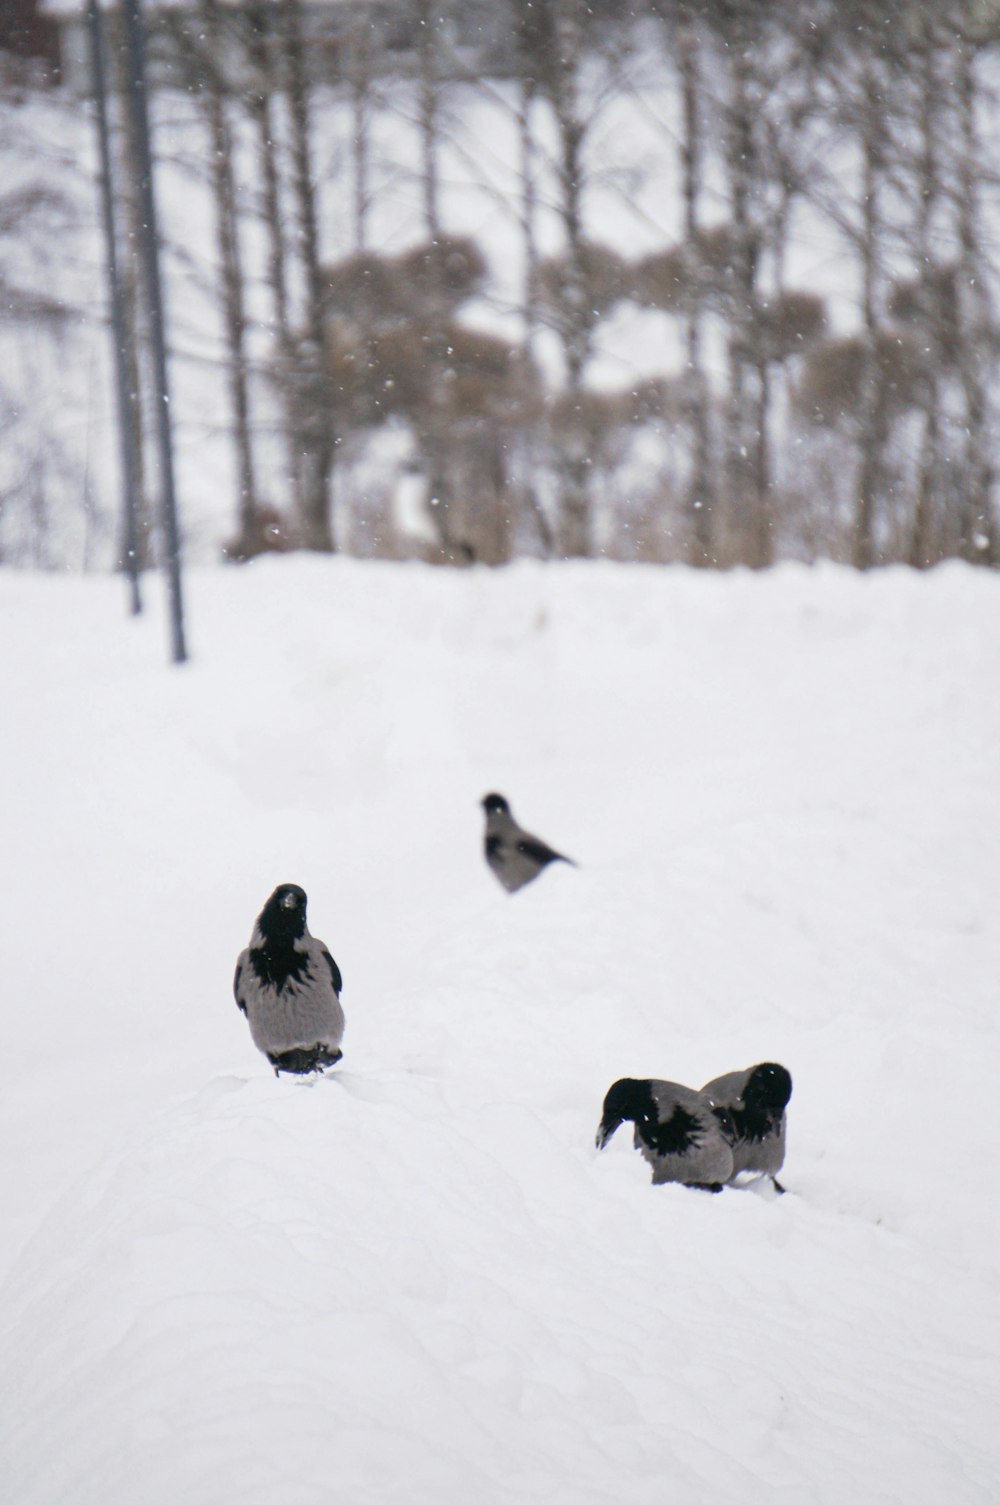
[[605, 1130]]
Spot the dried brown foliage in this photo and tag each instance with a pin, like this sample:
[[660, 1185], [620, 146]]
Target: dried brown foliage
[[790, 323], [367, 288], [831, 389], [603, 279], [685, 275], [931, 302], [445, 375], [451, 270], [270, 532]]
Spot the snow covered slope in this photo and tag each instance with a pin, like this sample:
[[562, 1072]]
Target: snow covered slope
[[416, 1280]]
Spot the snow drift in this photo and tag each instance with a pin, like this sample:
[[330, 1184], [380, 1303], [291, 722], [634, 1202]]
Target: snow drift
[[415, 1280]]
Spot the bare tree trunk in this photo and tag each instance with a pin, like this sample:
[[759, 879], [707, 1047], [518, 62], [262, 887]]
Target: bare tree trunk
[[260, 101], [132, 300], [230, 271], [701, 496], [316, 400], [979, 536], [871, 432], [528, 169], [433, 437], [922, 546], [529, 210], [360, 85], [577, 321], [428, 109], [748, 482]]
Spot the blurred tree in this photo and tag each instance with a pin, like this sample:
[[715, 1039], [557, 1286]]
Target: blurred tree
[[979, 532], [315, 418], [206, 48], [397, 352], [263, 87]]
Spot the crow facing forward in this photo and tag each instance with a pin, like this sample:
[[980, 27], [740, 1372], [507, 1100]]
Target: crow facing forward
[[289, 986], [751, 1105]]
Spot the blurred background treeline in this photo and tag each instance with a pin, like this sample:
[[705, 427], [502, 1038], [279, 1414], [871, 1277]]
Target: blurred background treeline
[[711, 281]]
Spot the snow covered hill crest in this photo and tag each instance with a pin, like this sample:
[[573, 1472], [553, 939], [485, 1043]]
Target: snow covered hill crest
[[416, 1280]]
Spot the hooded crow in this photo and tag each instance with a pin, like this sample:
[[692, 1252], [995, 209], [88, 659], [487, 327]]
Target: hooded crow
[[750, 1106], [675, 1128], [289, 986], [515, 856]]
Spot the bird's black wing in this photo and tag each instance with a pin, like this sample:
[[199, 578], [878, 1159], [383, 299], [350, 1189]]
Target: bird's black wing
[[727, 1123], [334, 972], [538, 851], [681, 1132], [236, 988]]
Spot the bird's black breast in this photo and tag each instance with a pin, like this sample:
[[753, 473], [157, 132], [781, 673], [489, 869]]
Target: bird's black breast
[[492, 845], [275, 966], [754, 1124]]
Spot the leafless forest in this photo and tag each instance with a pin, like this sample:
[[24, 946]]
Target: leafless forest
[[777, 428]]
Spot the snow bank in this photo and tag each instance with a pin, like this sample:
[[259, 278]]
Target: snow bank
[[416, 1280]]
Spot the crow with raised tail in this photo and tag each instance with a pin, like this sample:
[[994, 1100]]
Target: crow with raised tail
[[289, 987], [675, 1128], [514, 856], [750, 1106]]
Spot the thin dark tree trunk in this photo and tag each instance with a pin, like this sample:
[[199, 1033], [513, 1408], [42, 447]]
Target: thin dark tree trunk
[[130, 439], [316, 399], [871, 432], [132, 292], [701, 496], [428, 111], [527, 153], [150, 251], [746, 465], [923, 551], [577, 320], [231, 276], [360, 84], [528, 167], [260, 102], [979, 536]]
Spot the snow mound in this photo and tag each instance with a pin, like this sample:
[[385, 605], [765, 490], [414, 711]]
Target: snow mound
[[415, 1280]]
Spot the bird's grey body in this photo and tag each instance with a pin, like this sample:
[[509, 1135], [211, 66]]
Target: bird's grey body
[[289, 986], [675, 1130], [514, 856], [751, 1105]]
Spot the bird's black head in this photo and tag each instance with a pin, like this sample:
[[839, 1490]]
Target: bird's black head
[[628, 1100], [768, 1089], [495, 804], [283, 917]]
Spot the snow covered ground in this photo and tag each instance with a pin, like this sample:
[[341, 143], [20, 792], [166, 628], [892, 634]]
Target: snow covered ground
[[416, 1280]]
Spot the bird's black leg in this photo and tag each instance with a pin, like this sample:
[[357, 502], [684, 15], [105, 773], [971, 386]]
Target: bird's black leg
[[705, 1185], [778, 1186]]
